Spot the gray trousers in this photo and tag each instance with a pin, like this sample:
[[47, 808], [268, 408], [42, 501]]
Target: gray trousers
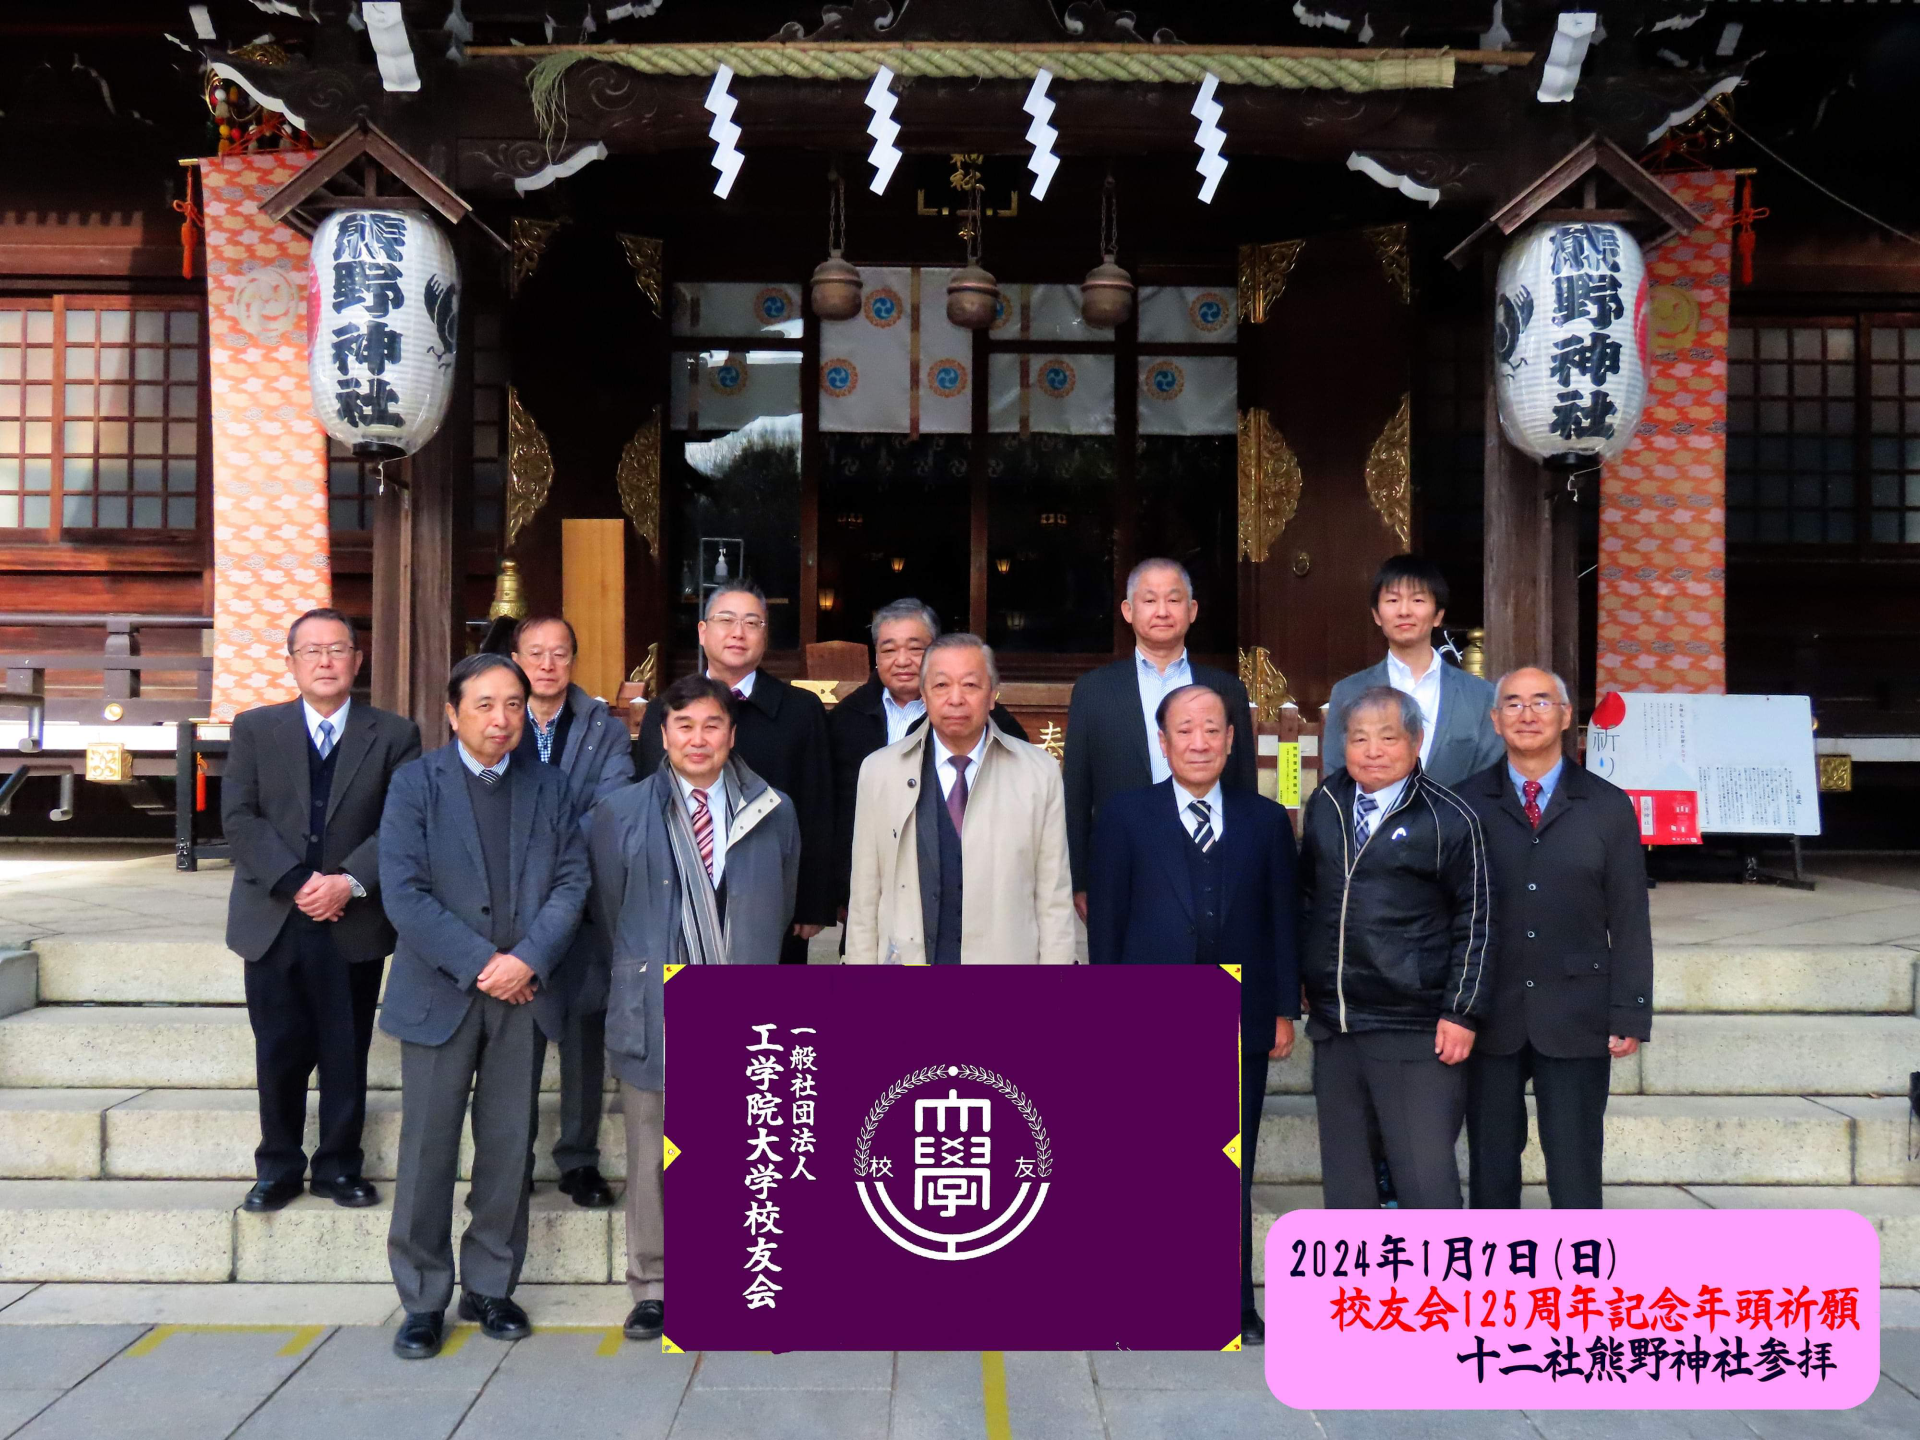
[[496, 1054], [1420, 1104], [583, 1079], [646, 1123]]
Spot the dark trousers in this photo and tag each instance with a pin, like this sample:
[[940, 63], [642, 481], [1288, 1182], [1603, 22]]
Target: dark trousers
[[583, 1078], [1570, 1097], [496, 1055], [793, 950], [1419, 1103], [1253, 1098], [310, 1010]]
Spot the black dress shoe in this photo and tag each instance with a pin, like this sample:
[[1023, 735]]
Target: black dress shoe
[[499, 1318], [1253, 1330], [348, 1190], [271, 1195], [587, 1186], [418, 1337], [646, 1322]]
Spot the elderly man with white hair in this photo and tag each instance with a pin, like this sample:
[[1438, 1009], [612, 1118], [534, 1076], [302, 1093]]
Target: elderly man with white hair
[[1573, 989], [1394, 958], [1113, 739], [959, 834]]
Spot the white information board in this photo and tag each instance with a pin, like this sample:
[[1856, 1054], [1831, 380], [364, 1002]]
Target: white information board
[[1749, 757]]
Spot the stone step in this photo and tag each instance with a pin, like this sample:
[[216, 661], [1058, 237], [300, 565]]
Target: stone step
[[1672, 1140], [211, 1135], [1799, 979], [1893, 1210], [135, 972], [188, 1047], [1294, 1075], [192, 1230]]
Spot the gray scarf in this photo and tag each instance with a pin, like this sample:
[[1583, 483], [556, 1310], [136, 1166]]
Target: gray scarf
[[702, 936]]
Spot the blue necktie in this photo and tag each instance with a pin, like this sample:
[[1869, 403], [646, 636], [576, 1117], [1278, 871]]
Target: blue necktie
[[325, 745], [1203, 827], [1363, 806]]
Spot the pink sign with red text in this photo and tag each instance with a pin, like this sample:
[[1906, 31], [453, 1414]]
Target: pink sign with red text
[[1573, 1309]]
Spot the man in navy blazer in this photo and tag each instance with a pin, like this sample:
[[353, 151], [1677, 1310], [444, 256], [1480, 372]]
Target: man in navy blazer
[[1189, 873], [484, 869]]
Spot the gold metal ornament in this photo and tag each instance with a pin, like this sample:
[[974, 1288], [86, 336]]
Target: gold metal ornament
[[647, 673], [1390, 472], [637, 478], [1270, 483], [1836, 772], [646, 256], [509, 595], [1390, 244], [1263, 276], [530, 239], [1267, 688], [1473, 658], [529, 468]]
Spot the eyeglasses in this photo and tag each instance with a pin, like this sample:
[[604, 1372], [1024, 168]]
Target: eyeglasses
[[727, 620], [912, 647], [1539, 705], [559, 657], [311, 653]]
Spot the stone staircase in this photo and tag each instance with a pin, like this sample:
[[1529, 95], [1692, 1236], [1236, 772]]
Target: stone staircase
[[1778, 1077]]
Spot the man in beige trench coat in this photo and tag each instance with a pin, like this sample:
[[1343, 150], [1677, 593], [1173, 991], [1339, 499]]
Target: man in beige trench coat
[[959, 834]]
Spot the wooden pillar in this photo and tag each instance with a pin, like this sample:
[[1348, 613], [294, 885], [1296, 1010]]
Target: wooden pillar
[[392, 590], [1517, 539]]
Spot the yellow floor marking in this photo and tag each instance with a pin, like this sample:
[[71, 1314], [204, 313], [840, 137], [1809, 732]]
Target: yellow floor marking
[[993, 1394], [455, 1337], [303, 1335]]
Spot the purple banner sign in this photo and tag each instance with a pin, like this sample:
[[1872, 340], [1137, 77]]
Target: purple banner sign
[[953, 1158]]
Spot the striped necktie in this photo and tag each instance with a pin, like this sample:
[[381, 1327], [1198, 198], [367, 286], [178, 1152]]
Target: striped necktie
[[324, 744], [489, 778], [1203, 824], [703, 831], [1363, 806]]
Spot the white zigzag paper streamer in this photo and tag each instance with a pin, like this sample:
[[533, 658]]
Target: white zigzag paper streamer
[[1210, 137], [884, 130], [1041, 134], [725, 135]]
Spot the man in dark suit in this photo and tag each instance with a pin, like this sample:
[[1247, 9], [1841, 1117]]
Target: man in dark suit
[[301, 801], [1573, 986], [782, 736], [1112, 739], [1409, 602], [887, 708], [571, 730], [484, 869], [1189, 873]]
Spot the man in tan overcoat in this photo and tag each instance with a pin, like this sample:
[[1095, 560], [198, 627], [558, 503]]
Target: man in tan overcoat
[[959, 834]]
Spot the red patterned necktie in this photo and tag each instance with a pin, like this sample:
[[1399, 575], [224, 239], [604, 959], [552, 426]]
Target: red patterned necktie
[[703, 830], [1531, 789], [957, 797]]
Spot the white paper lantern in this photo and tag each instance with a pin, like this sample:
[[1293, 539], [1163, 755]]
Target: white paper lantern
[[1570, 341], [383, 323]]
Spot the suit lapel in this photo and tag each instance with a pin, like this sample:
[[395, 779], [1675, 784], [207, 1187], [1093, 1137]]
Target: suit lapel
[[1565, 792], [299, 742], [1127, 703], [352, 750], [1171, 842], [453, 781], [577, 728], [523, 796]]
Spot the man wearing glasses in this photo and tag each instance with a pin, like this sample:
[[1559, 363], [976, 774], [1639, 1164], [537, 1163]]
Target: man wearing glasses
[[888, 708], [304, 788], [781, 734], [1573, 979], [572, 731]]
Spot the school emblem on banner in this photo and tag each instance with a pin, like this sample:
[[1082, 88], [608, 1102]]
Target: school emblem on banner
[[1056, 378], [1164, 381], [844, 1139], [885, 307], [947, 378], [775, 304], [1209, 311], [839, 378]]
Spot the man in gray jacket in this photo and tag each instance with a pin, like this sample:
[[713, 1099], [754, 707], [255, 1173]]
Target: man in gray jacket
[[698, 864], [571, 730], [484, 870]]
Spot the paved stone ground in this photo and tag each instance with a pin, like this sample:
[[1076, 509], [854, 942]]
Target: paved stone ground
[[221, 1366]]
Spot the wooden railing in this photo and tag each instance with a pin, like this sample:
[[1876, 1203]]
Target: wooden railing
[[120, 663]]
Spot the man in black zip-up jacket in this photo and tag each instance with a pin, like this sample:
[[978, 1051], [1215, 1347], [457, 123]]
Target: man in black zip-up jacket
[[1394, 959]]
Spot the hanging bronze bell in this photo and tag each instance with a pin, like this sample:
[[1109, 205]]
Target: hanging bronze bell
[[509, 597], [973, 298], [836, 289], [1106, 296]]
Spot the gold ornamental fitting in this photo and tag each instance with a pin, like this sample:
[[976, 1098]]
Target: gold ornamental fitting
[[509, 598]]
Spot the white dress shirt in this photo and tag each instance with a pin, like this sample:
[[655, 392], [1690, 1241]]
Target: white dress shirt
[[942, 766], [1387, 797], [900, 718], [717, 811], [744, 684], [474, 767], [1215, 802], [1425, 692], [337, 720], [1153, 689]]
